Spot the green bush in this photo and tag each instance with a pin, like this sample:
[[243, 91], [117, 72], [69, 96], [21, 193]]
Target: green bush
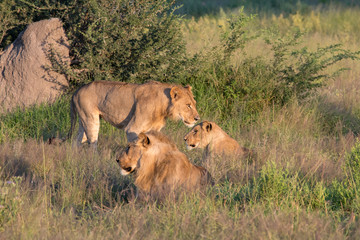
[[345, 194], [312, 194], [275, 185], [243, 90], [120, 40], [125, 40], [353, 165], [15, 15], [7, 20], [278, 186], [341, 195]]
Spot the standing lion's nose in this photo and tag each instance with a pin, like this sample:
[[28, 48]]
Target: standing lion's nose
[[117, 160], [197, 117], [185, 138]]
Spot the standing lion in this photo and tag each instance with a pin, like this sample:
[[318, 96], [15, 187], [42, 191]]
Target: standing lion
[[134, 107], [159, 166]]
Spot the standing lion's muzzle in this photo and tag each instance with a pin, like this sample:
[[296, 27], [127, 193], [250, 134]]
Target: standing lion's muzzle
[[192, 123], [189, 124]]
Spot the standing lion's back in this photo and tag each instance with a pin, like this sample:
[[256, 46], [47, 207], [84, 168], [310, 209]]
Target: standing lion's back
[[113, 101], [102, 88], [92, 91]]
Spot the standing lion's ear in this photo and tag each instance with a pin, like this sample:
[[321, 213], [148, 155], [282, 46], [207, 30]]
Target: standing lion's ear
[[144, 140], [207, 126], [174, 93]]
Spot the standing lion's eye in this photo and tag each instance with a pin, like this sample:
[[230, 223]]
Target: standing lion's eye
[[195, 132], [188, 105]]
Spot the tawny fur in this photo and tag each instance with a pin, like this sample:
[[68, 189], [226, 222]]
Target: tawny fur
[[210, 136], [135, 108], [159, 165]]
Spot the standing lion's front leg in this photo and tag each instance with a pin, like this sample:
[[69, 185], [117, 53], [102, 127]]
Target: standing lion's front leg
[[144, 120], [132, 131]]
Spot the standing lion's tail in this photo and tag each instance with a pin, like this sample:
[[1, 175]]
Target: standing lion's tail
[[72, 117]]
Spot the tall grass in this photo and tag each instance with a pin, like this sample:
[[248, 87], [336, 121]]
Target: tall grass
[[302, 183], [36, 122], [67, 193]]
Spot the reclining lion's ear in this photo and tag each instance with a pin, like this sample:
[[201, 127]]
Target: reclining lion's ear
[[144, 140], [207, 126], [188, 87], [174, 93]]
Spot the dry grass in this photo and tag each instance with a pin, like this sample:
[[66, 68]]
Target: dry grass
[[71, 193], [68, 193]]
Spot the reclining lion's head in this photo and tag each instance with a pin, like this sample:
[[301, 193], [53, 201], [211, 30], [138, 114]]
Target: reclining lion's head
[[199, 136], [128, 159], [183, 105], [150, 145]]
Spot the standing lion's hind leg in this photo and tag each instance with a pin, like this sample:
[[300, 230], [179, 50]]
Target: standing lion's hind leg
[[81, 136], [92, 128]]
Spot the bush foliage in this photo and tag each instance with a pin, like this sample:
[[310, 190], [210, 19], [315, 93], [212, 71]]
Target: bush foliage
[[126, 40], [257, 82], [345, 194], [119, 40]]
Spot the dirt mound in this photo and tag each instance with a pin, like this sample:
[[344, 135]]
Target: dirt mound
[[25, 78]]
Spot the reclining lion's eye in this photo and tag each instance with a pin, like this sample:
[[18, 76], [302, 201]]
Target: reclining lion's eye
[[195, 132], [127, 149], [188, 105]]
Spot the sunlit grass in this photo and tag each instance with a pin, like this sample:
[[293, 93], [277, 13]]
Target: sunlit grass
[[287, 191]]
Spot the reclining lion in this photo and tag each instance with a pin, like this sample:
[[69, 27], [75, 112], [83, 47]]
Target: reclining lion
[[210, 136], [159, 166], [134, 107]]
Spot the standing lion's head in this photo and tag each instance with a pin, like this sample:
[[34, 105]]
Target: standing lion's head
[[183, 105]]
